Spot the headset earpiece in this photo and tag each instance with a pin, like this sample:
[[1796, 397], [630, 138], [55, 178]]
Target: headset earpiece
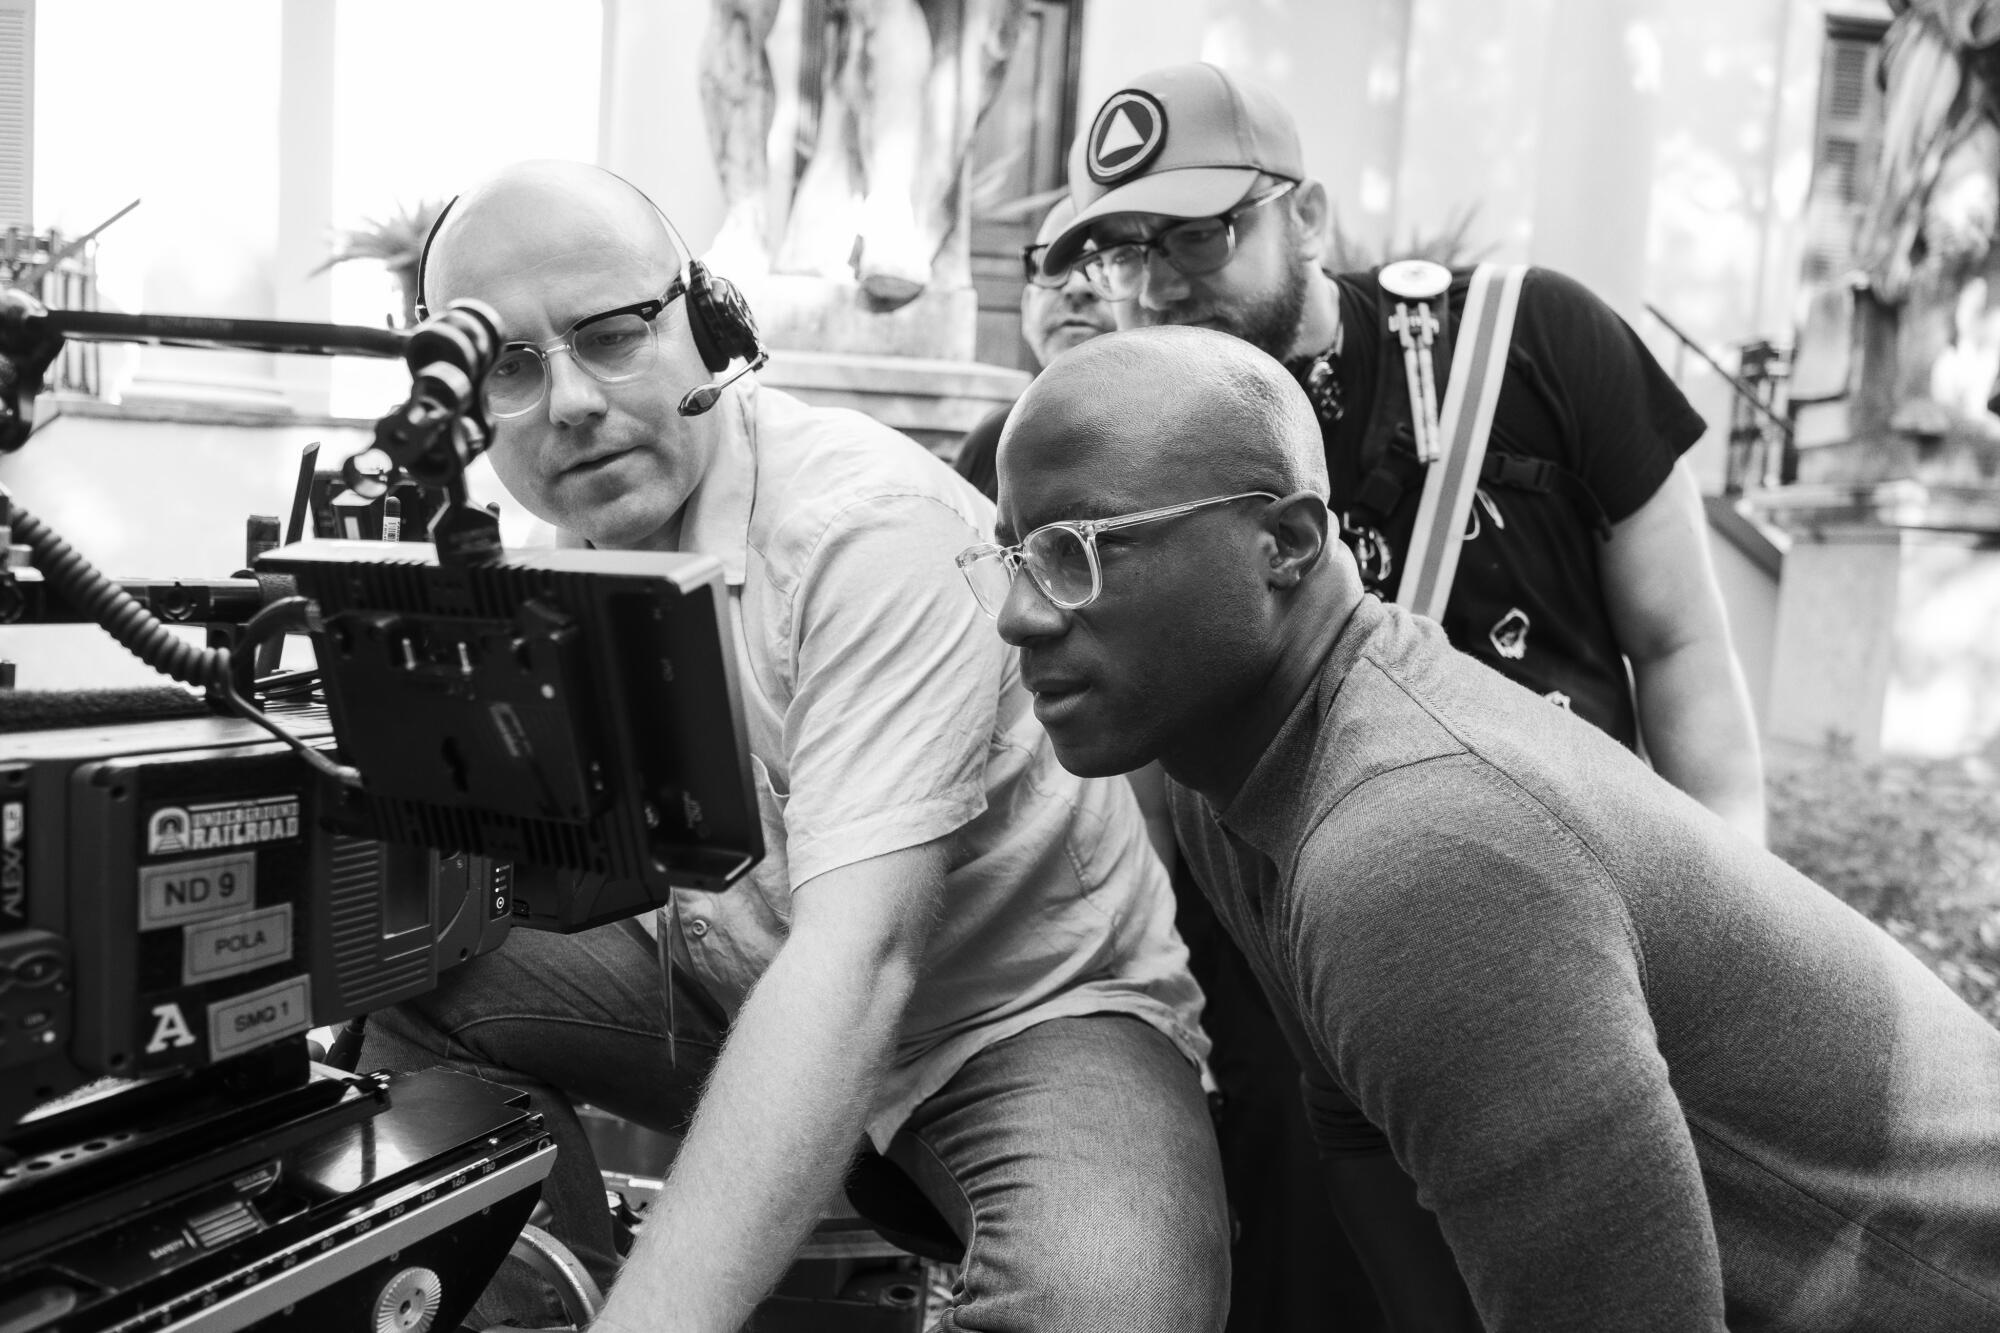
[[424, 261], [720, 320]]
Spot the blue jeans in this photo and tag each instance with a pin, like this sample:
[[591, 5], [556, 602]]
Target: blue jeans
[[1075, 1159]]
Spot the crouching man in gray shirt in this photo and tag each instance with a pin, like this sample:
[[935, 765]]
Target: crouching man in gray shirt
[[1633, 1071]]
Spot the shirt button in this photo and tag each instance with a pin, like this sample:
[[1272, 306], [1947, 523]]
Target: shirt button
[[697, 928]]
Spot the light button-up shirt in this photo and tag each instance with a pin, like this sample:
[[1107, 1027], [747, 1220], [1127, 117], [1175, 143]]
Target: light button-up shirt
[[884, 712]]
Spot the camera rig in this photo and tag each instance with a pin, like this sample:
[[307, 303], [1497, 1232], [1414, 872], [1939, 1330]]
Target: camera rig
[[549, 739]]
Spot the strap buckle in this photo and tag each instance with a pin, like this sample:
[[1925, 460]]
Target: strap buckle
[[1519, 472]]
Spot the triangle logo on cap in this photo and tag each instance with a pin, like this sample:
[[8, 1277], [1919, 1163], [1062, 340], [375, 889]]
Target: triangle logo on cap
[[1130, 130]]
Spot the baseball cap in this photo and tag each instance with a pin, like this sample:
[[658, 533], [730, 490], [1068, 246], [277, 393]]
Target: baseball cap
[[1059, 217], [1187, 141], [1031, 255]]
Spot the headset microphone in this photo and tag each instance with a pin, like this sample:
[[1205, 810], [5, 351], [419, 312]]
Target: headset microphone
[[704, 396]]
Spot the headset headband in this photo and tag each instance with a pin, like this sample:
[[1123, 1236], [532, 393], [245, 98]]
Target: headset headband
[[686, 256]]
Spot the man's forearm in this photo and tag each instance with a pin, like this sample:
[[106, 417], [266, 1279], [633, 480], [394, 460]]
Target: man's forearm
[[770, 1144], [1694, 711]]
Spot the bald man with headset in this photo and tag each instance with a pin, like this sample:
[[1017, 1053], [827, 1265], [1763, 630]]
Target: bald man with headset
[[955, 952]]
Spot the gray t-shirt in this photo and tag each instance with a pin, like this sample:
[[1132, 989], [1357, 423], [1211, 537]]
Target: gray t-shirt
[[1646, 1075]]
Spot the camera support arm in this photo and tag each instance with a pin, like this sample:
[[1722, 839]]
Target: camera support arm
[[431, 438]]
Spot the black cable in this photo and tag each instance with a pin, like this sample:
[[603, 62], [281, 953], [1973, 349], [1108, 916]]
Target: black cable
[[345, 1052], [152, 642], [271, 623], [116, 610]]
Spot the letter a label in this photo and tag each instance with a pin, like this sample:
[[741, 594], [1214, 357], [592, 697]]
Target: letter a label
[[170, 1028]]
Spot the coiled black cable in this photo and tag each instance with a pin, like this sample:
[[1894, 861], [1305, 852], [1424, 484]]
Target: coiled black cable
[[79, 581], [152, 642]]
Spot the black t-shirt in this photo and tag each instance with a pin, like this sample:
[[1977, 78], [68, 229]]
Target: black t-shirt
[[1582, 392], [975, 452]]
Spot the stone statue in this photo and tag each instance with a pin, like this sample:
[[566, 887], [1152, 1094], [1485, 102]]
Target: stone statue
[[1930, 339], [881, 149]]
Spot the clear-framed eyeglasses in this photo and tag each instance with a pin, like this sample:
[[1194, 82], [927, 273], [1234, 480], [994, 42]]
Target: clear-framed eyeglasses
[[611, 346], [1195, 247], [1062, 557]]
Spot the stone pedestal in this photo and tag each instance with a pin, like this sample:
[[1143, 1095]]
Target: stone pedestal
[[821, 315], [909, 368], [1888, 633], [933, 401]]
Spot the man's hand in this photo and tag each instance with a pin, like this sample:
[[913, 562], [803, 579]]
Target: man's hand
[[1666, 611], [787, 1103]]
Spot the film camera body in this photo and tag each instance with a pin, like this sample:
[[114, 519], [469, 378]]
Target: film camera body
[[547, 739]]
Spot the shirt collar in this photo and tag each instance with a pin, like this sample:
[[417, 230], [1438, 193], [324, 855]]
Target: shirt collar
[[716, 519], [1277, 798]]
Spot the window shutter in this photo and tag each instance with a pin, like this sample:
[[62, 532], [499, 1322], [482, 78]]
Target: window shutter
[[17, 113], [1847, 144]]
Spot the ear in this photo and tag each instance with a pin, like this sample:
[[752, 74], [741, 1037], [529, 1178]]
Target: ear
[[1314, 214], [1029, 324], [1297, 526]]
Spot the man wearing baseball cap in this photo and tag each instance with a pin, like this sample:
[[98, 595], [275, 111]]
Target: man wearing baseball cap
[[1058, 311], [1190, 143], [1557, 543], [1584, 543]]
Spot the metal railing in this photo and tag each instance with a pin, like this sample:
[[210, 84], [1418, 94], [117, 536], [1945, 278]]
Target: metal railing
[[1763, 450], [61, 273]]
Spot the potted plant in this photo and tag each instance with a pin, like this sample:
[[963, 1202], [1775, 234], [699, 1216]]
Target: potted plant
[[397, 242]]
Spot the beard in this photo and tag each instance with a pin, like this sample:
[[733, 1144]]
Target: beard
[[1269, 321], [1271, 324]]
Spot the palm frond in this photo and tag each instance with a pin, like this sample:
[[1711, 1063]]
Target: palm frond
[[397, 240], [1450, 245]]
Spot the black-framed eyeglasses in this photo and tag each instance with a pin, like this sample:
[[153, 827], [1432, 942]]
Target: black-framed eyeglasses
[[1062, 557], [611, 346], [1031, 267], [1194, 247], [1033, 272]]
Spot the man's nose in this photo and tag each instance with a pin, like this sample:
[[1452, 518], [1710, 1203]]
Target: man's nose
[[1028, 615], [574, 394], [1161, 285]]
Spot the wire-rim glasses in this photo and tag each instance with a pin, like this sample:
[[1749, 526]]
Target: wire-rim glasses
[[1062, 557], [1194, 247], [611, 347]]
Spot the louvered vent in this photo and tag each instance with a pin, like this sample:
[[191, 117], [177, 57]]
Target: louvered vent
[[1847, 79], [1839, 165], [1846, 145], [17, 113]]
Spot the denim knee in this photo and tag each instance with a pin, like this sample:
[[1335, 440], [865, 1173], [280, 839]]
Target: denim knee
[[1113, 1281]]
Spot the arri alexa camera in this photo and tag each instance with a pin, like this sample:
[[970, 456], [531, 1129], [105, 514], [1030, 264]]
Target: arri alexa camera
[[490, 740]]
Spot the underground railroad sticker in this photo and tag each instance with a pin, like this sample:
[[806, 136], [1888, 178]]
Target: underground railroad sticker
[[200, 828]]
